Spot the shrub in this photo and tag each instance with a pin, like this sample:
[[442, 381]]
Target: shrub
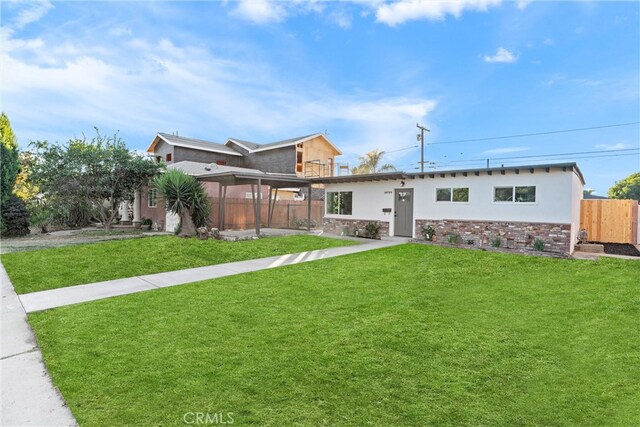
[[41, 216], [496, 242], [372, 230], [15, 218], [186, 197], [453, 238], [538, 244], [302, 223], [146, 221], [428, 232]]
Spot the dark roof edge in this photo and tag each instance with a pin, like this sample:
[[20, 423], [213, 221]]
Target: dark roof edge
[[406, 175]]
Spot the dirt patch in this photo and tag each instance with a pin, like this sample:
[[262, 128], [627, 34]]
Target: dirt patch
[[621, 249], [61, 238]]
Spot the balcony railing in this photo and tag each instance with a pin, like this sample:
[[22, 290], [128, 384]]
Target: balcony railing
[[316, 169]]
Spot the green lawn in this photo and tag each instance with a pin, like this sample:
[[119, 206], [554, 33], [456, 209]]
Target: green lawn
[[74, 265], [408, 335]]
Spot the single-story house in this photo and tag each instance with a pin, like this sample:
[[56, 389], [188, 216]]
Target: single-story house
[[516, 204]]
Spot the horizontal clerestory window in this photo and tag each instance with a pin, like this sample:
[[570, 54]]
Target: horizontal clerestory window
[[339, 202], [460, 194]]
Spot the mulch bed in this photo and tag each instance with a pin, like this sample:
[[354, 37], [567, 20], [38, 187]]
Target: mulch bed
[[621, 249]]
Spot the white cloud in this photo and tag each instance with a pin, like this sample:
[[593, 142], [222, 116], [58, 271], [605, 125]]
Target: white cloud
[[522, 4], [260, 11], [617, 146], [502, 55], [402, 11], [32, 13], [148, 86], [506, 150], [341, 18], [549, 41]]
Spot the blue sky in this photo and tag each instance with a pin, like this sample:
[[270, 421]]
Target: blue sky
[[364, 71]]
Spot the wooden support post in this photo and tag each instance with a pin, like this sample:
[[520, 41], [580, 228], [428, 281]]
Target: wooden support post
[[273, 207], [269, 207], [224, 204], [259, 197], [309, 209], [253, 202], [220, 223]]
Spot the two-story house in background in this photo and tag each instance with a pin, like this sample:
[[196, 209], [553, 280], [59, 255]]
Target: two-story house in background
[[309, 156]]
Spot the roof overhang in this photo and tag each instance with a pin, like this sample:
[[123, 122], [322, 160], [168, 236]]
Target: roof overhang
[[284, 145], [243, 178], [369, 177], [573, 167], [159, 138]]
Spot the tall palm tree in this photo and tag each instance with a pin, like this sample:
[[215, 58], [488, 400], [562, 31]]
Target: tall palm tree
[[370, 163], [184, 196]]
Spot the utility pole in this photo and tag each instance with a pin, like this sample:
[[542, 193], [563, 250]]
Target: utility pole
[[421, 139]]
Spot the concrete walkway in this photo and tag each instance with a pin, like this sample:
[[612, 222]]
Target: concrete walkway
[[44, 300], [28, 396]]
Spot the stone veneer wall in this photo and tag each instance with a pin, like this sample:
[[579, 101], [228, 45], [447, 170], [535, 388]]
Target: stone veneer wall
[[347, 226], [521, 235]]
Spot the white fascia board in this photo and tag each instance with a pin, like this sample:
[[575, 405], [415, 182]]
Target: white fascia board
[[213, 150]]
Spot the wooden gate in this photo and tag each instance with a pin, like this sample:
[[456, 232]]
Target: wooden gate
[[610, 221]]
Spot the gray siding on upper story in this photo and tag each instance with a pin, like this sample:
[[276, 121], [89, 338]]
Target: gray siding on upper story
[[162, 149], [281, 160], [189, 154]]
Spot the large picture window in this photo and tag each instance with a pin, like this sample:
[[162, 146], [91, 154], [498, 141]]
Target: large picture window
[[522, 194], [339, 202], [460, 194]]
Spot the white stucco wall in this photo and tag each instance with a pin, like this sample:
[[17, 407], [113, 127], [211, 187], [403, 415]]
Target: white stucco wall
[[558, 197]]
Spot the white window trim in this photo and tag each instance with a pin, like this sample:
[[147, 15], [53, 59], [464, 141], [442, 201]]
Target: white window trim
[[513, 193], [333, 215], [435, 196], [149, 205]]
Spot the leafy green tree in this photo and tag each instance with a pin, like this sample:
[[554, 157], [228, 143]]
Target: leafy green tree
[[371, 163], [99, 173], [23, 187], [628, 188], [184, 196], [9, 165]]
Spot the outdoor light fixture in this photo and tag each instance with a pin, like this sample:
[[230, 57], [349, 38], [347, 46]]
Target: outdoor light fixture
[[401, 183]]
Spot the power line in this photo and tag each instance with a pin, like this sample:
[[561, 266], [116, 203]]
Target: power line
[[401, 149], [522, 135], [551, 159], [439, 165], [545, 155]]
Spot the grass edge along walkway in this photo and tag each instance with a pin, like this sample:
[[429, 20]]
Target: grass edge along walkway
[[44, 300], [96, 262]]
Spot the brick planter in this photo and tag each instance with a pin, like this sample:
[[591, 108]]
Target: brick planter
[[514, 236], [348, 226]]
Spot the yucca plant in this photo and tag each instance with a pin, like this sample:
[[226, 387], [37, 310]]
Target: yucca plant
[[184, 196]]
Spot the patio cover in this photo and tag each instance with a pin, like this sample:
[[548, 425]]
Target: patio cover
[[239, 176]]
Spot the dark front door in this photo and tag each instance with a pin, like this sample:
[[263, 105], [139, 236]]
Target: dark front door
[[403, 212]]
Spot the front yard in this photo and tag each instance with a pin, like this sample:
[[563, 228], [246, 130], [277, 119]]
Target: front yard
[[75, 265], [408, 335]]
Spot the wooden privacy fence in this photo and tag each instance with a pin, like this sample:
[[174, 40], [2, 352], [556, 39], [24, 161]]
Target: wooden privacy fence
[[239, 214], [610, 221]]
